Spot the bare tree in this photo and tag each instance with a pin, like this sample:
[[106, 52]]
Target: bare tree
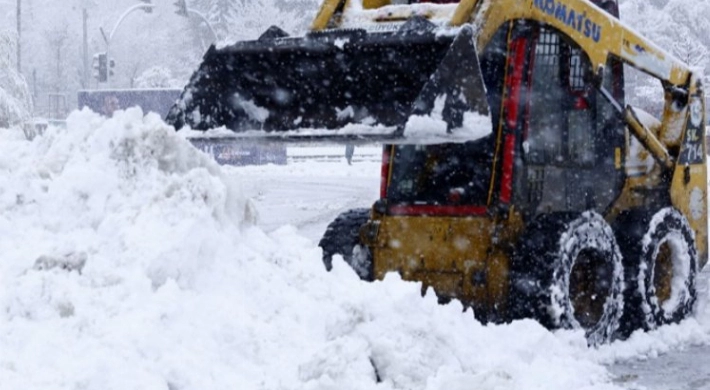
[[58, 39], [135, 68], [689, 49]]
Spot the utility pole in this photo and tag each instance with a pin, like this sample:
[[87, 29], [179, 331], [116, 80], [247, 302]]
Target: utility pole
[[85, 57], [19, 35]]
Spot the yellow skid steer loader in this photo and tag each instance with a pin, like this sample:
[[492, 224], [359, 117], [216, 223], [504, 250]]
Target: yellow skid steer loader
[[520, 194]]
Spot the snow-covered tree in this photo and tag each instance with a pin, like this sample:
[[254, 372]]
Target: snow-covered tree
[[689, 49], [157, 77], [241, 19], [15, 99], [58, 41], [681, 27], [222, 13]]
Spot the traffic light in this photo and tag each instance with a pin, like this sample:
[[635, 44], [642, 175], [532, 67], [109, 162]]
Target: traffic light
[[100, 66], [181, 7], [95, 66], [148, 9], [111, 65]]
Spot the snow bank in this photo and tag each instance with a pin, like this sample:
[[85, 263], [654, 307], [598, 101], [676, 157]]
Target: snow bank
[[127, 262]]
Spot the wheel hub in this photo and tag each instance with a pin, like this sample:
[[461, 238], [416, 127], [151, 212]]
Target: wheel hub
[[590, 285], [663, 272]]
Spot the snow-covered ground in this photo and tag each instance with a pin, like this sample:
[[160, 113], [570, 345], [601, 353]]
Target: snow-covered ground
[[129, 260]]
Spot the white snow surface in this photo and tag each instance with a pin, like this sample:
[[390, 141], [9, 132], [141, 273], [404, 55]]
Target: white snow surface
[[169, 285], [433, 129]]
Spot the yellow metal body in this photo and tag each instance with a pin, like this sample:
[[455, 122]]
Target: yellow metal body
[[463, 258], [467, 257], [489, 15]]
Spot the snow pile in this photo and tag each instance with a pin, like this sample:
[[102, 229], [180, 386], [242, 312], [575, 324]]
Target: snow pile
[[128, 262], [391, 16]]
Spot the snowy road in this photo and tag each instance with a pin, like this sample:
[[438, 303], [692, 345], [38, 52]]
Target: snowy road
[[683, 369], [679, 370], [308, 194]]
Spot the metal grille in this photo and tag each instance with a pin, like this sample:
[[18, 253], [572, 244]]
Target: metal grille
[[547, 118], [536, 177], [576, 70], [547, 55]]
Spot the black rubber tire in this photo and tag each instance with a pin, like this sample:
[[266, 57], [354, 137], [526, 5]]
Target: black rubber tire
[[542, 266], [342, 237], [630, 228], [641, 234]]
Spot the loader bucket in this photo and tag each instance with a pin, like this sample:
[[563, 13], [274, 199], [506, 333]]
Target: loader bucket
[[314, 86]]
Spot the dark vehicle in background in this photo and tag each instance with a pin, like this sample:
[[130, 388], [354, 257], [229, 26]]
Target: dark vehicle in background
[[106, 101]]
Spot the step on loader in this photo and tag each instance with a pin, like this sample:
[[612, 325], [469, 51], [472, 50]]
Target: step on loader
[[541, 194]]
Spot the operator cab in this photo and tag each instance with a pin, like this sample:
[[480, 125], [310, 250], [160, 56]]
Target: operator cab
[[556, 144]]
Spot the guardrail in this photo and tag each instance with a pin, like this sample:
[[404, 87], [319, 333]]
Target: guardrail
[[295, 154]]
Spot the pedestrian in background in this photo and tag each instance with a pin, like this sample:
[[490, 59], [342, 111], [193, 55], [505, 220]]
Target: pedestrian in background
[[349, 151]]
